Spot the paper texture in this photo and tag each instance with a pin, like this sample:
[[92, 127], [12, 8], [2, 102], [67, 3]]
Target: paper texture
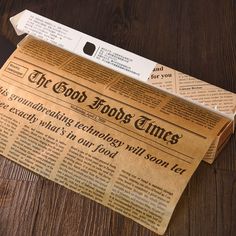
[[132, 65], [199, 92], [118, 141], [194, 89]]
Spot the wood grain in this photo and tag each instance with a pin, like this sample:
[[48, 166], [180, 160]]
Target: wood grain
[[197, 37]]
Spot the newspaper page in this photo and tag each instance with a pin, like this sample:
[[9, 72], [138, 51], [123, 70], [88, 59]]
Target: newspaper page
[[116, 140], [132, 65], [194, 89], [199, 92]]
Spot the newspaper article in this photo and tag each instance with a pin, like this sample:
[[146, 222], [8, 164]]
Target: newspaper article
[[198, 91], [194, 89], [132, 65], [116, 140]]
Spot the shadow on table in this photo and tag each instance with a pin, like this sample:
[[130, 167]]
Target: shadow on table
[[6, 48]]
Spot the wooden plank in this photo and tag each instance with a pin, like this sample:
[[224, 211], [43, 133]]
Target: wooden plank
[[226, 204], [19, 202], [10, 170]]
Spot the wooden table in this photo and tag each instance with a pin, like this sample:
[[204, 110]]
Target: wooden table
[[197, 37]]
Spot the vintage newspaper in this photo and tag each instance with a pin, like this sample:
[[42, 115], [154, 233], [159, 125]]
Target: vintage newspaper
[[116, 140], [199, 92], [132, 65]]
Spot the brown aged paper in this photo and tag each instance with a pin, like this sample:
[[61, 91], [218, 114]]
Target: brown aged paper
[[199, 92], [132, 65], [116, 140]]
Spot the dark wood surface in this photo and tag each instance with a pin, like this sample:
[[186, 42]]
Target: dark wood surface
[[197, 37]]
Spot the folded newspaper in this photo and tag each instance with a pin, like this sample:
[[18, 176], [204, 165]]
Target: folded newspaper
[[120, 129]]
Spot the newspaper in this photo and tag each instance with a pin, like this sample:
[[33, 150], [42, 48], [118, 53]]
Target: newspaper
[[132, 65], [199, 92], [116, 140]]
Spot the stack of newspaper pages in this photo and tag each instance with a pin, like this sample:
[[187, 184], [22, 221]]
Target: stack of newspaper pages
[[120, 129]]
